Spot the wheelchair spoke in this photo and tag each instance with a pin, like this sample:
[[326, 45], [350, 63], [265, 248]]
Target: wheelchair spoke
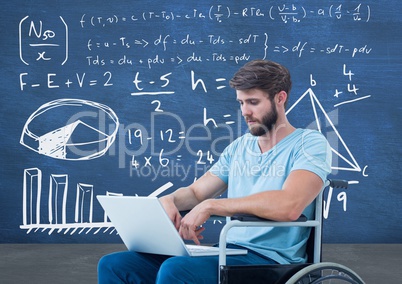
[[334, 279], [325, 274]]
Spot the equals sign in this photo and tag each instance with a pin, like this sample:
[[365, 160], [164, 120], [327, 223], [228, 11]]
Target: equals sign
[[221, 86], [230, 121]]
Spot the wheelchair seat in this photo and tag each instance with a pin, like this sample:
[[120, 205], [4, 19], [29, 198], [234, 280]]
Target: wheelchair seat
[[311, 272]]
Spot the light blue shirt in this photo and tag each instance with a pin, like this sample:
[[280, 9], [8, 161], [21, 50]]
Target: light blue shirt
[[247, 171]]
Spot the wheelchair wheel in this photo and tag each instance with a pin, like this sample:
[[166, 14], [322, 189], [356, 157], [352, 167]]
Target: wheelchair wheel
[[325, 273]]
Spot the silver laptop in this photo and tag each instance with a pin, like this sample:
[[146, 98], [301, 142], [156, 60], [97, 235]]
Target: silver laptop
[[144, 226]]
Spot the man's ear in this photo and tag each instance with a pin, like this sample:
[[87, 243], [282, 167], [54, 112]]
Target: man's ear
[[281, 98]]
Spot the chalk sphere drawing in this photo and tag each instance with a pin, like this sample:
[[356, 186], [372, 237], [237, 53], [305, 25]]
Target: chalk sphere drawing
[[71, 129]]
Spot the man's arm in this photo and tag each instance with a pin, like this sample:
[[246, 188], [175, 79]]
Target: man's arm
[[186, 198], [208, 186], [299, 190]]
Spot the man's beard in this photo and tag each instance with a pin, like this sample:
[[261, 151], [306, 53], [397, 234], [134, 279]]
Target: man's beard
[[268, 122]]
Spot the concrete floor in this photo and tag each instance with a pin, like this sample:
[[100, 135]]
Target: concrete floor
[[76, 263]]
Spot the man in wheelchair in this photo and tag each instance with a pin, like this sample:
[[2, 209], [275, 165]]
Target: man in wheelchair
[[274, 172]]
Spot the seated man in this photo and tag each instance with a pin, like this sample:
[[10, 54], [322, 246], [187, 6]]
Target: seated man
[[275, 172]]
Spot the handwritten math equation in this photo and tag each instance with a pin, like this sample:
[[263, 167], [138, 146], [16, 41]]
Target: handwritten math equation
[[164, 145], [39, 41], [285, 13], [196, 47], [42, 41], [163, 85], [124, 50]]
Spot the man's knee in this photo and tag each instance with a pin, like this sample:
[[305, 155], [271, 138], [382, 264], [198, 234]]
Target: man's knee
[[105, 268], [112, 268], [105, 262], [184, 269], [175, 270]]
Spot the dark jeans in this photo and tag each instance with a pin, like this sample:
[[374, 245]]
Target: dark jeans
[[132, 267]]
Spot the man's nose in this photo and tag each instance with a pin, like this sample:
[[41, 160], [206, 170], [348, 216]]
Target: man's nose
[[245, 111]]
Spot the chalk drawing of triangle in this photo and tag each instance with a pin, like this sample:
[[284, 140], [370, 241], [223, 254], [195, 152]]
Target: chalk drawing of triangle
[[318, 111]]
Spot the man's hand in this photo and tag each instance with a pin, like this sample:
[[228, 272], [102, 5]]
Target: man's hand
[[191, 224], [171, 210], [199, 198]]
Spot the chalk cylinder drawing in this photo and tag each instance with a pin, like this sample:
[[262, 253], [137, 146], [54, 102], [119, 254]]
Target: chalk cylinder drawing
[[71, 129]]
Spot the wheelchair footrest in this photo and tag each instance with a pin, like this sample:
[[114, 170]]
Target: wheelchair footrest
[[273, 273]]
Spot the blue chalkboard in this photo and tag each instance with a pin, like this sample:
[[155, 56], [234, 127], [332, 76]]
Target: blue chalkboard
[[132, 97]]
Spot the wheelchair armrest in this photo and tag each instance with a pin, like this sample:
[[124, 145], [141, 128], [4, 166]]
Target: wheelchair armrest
[[338, 183], [247, 217], [257, 222]]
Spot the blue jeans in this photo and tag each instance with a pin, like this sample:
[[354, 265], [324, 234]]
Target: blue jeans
[[133, 267]]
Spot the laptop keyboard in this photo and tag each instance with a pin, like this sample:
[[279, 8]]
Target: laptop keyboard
[[195, 248]]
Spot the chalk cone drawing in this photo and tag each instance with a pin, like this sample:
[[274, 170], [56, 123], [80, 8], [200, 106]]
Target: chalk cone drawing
[[318, 111], [71, 129]]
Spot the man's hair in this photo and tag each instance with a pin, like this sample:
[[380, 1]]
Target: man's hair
[[264, 75]]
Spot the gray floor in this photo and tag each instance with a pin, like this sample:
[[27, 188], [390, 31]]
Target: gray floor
[[76, 263]]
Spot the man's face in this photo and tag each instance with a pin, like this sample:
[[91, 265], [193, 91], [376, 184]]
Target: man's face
[[258, 111]]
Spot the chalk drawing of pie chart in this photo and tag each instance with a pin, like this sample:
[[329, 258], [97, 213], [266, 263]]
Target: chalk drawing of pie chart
[[71, 129]]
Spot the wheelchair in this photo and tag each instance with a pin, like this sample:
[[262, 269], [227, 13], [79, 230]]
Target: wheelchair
[[312, 272]]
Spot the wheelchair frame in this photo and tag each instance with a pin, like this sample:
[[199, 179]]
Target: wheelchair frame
[[314, 272]]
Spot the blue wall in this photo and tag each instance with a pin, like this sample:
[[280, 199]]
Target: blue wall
[[143, 88]]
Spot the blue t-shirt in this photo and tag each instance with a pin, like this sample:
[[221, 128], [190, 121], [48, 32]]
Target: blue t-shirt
[[247, 171]]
